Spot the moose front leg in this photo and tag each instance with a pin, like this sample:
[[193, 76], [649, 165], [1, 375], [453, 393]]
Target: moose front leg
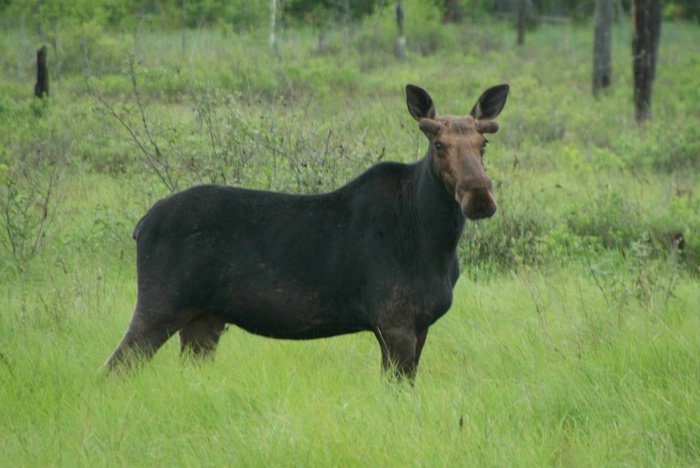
[[400, 350], [420, 342]]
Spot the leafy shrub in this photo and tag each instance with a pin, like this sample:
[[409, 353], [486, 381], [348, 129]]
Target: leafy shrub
[[425, 34], [676, 230], [608, 215], [221, 139], [323, 75], [85, 48], [684, 149], [513, 237], [30, 186]]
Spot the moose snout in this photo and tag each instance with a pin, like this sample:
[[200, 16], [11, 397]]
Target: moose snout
[[475, 197]]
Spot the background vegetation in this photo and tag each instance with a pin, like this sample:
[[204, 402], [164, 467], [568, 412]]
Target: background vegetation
[[574, 335]]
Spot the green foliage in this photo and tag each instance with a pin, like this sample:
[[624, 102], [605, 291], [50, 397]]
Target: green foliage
[[324, 10], [323, 75], [241, 14], [85, 48], [219, 138], [425, 33], [245, 16], [681, 9], [30, 179], [674, 230]]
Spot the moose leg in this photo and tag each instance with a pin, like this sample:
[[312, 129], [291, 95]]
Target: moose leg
[[398, 347], [201, 334], [147, 332], [420, 342]]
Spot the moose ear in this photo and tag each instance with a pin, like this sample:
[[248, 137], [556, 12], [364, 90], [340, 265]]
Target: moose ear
[[491, 103], [420, 104]]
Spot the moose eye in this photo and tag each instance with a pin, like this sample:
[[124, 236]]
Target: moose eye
[[483, 146], [439, 146]]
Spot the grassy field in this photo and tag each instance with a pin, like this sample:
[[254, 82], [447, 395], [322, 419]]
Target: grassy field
[[574, 337], [529, 369]]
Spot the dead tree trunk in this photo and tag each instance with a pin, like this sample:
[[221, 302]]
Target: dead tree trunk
[[273, 21], [522, 21], [41, 88], [184, 27], [646, 30], [451, 13], [602, 45], [401, 43]]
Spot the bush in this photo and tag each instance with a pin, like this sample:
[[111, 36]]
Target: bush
[[30, 178], [84, 48]]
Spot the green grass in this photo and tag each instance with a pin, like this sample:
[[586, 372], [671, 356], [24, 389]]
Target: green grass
[[574, 338], [530, 369]]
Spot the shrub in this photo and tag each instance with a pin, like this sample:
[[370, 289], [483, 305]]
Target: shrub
[[30, 184]]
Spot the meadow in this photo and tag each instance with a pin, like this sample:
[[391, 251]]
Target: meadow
[[574, 336]]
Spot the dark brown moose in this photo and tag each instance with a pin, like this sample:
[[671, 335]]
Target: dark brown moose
[[379, 254]]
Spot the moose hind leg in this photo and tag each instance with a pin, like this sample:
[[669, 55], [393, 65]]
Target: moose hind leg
[[200, 335], [147, 332], [149, 329]]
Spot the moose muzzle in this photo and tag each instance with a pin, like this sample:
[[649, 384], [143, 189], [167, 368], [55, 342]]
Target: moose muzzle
[[475, 196]]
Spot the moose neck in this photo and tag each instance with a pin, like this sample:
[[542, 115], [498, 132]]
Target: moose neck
[[440, 215]]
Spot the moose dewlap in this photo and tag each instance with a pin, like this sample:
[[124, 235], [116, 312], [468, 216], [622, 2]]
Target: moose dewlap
[[379, 254]]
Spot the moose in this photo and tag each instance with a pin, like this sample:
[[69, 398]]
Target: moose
[[378, 254]]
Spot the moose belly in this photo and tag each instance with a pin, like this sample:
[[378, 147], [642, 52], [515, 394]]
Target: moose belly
[[291, 313]]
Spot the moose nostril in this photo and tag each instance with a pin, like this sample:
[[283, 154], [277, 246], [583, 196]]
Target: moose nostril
[[478, 204], [488, 210], [483, 212]]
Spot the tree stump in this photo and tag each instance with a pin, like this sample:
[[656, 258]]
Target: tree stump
[[41, 88]]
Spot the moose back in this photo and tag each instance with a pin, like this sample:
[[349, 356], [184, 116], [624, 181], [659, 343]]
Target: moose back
[[379, 254]]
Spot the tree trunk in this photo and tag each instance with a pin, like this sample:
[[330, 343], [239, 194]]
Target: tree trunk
[[346, 26], [38, 12], [451, 13], [401, 43], [54, 46], [522, 20], [273, 21], [184, 27], [646, 30], [41, 88], [602, 45], [86, 55]]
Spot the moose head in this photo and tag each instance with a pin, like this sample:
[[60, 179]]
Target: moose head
[[457, 146]]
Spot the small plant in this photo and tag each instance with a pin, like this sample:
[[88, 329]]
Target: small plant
[[144, 131], [29, 196], [636, 275], [652, 282]]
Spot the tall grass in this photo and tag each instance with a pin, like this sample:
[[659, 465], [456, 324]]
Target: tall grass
[[523, 371]]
